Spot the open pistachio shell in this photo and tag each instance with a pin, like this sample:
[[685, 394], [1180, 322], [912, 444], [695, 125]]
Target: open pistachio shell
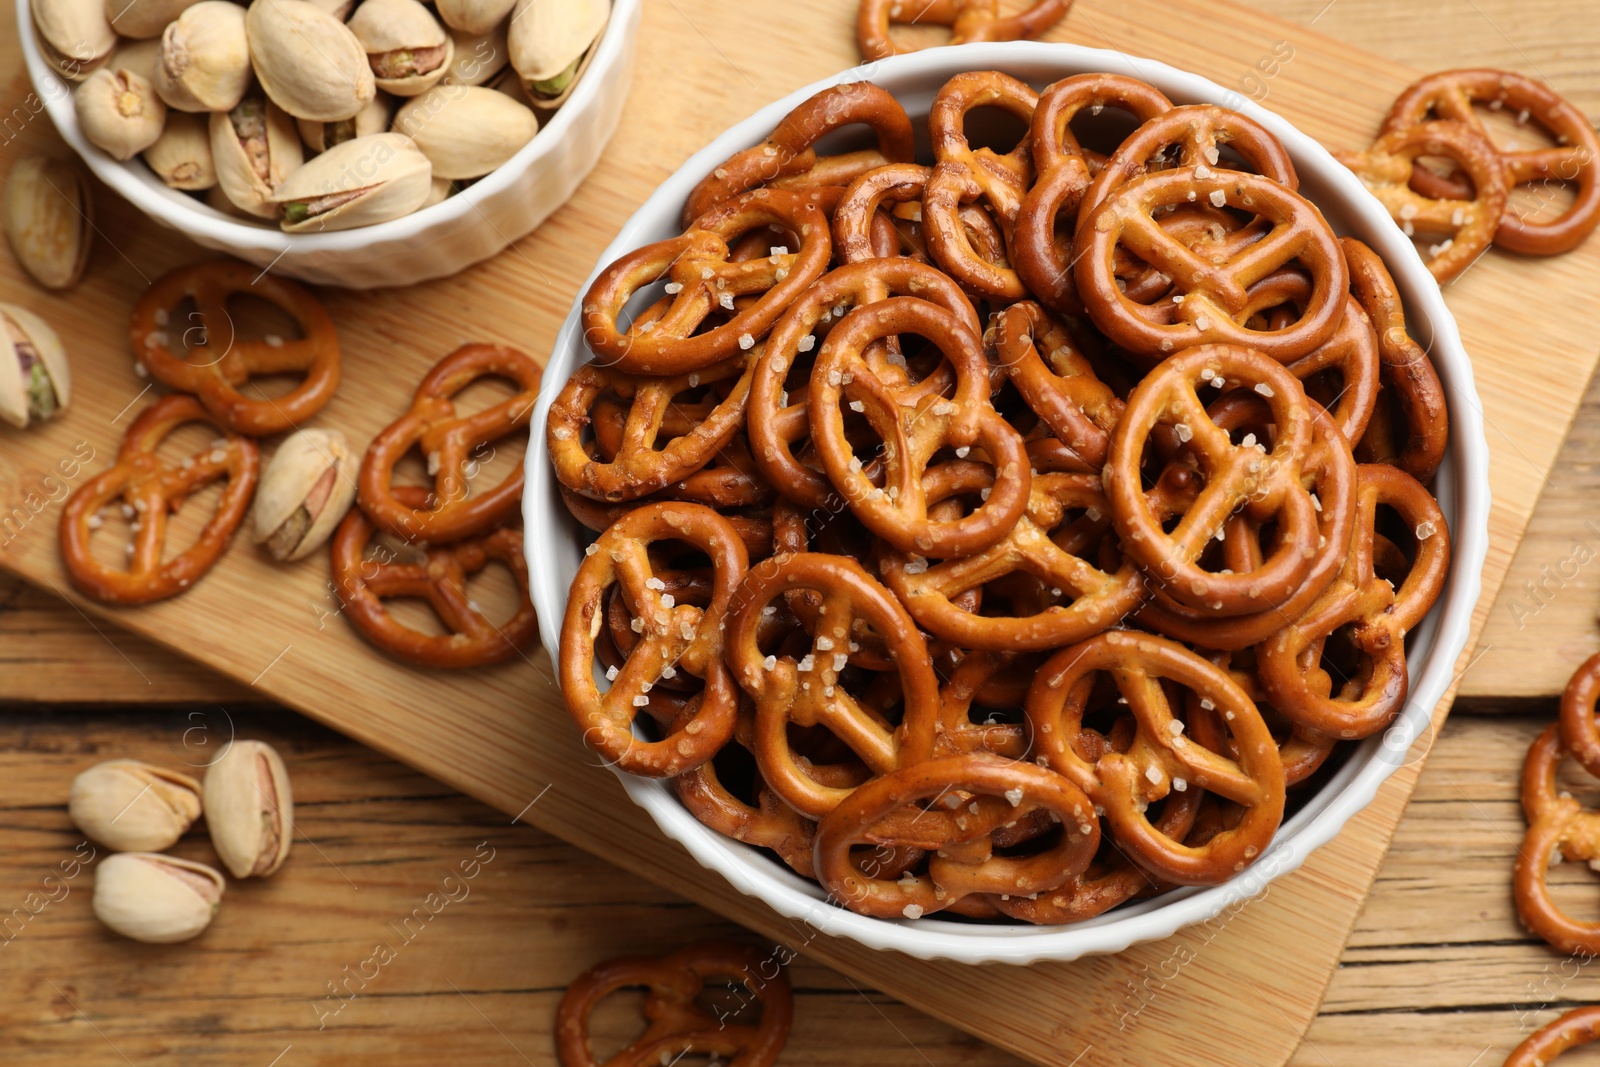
[[205, 59], [119, 112], [358, 183], [48, 218], [466, 131], [478, 57], [143, 19], [249, 809], [304, 492], [308, 62], [254, 148], [35, 382], [321, 136], [74, 35], [154, 898], [132, 806], [408, 50], [181, 156], [550, 44], [475, 17]]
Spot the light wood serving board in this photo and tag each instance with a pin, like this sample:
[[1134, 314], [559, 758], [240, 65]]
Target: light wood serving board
[[502, 736]]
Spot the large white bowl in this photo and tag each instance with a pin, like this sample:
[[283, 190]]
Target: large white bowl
[[435, 242], [555, 542]]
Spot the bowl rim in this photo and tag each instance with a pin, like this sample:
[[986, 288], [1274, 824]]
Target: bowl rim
[[139, 185], [1463, 486]]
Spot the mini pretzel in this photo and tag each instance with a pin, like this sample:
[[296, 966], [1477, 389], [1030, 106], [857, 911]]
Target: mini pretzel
[[440, 578], [1080, 409], [218, 380], [1388, 167], [1580, 1026], [788, 156], [452, 511], [1555, 821], [1377, 614], [1215, 295], [1579, 731], [678, 1024], [969, 20], [770, 823], [805, 690], [1161, 757], [151, 491], [987, 790], [913, 426], [1450, 95], [672, 635], [1042, 262], [1302, 750], [704, 280]]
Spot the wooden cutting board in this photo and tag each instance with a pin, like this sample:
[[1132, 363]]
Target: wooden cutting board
[[501, 735]]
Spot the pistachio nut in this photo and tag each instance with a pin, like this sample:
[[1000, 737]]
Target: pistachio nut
[[181, 156], [143, 19], [476, 17], [466, 131], [132, 806], [550, 43], [478, 57], [48, 218], [119, 111], [306, 490], [142, 57], [321, 136], [249, 808], [254, 148], [361, 182], [205, 59], [406, 47], [308, 62], [442, 189], [35, 381], [74, 35], [154, 898]]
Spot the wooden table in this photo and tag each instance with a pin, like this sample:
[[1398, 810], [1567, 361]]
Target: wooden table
[[1437, 965]]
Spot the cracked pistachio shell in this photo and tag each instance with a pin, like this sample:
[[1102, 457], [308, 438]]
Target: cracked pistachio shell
[[156, 899], [305, 491], [119, 112], [358, 183], [478, 57], [321, 136], [408, 50], [181, 156], [48, 218], [205, 60], [475, 17], [131, 806], [254, 148], [550, 44], [35, 381], [466, 131], [308, 62], [249, 808], [143, 19], [75, 35]]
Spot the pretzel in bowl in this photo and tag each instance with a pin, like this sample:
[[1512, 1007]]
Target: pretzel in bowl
[[678, 1021], [969, 20], [1556, 820], [1044, 359], [219, 363], [448, 441], [149, 491]]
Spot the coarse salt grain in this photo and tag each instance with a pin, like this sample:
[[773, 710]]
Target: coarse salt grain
[[770, 663], [857, 406], [1264, 389], [912, 911], [674, 288], [1153, 775], [641, 701], [1014, 796], [1219, 198], [611, 674], [807, 343], [746, 342]]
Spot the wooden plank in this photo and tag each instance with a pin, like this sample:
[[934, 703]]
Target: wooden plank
[[508, 758]]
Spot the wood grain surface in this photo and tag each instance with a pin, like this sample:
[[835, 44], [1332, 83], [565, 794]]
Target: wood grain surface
[[1181, 26]]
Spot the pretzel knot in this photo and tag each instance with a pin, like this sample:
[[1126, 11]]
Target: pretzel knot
[[439, 577], [681, 1019], [150, 491], [704, 281], [1555, 821], [969, 20], [1161, 759], [1580, 1026], [671, 636], [451, 444], [1078, 408], [219, 362]]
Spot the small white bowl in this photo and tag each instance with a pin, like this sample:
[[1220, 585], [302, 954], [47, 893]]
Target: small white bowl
[[554, 540], [435, 242]]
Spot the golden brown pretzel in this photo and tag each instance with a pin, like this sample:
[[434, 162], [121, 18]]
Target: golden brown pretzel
[[1302, 749], [769, 823], [448, 441], [969, 20], [1080, 409], [150, 491], [440, 578], [1556, 820], [1579, 731], [672, 636], [218, 377], [1580, 1026], [678, 1022], [703, 279]]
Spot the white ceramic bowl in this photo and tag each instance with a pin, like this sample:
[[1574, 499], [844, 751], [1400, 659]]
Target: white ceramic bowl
[[554, 540], [435, 242]]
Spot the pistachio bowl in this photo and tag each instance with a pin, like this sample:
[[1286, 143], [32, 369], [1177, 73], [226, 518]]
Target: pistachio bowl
[[432, 242]]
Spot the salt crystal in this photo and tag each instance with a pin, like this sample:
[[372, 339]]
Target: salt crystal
[[641, 701], [1014, 796], [1264, 389], [856, 405], [674, 288], [1219, 198], [611, 674], [912, 911], [770, 662], [1153, 775], [807, 343]]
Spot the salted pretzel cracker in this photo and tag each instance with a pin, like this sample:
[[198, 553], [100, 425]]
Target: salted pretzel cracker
[[440, 578], [448, 441], [1556, 820], [969, 20], [219, 363], [1041, 358], [677, 1022], [1580, 1026], [149, 491]]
